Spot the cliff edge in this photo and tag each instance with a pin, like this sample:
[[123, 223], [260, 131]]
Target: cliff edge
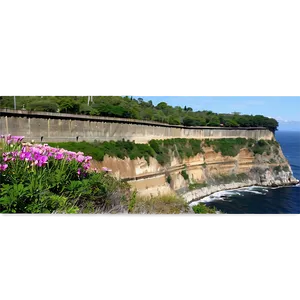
[[218, 165]]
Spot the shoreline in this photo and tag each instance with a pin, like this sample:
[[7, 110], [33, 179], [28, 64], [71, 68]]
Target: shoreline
[[207, 191]]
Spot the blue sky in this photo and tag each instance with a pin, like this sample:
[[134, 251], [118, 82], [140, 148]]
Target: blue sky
[[280, 108]]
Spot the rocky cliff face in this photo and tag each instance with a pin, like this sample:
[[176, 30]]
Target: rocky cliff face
[[205, 173]]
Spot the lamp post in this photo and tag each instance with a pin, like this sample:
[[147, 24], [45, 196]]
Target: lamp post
[[15, 103]]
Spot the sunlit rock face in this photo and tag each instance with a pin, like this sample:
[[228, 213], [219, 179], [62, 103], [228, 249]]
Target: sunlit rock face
[[210, 168]]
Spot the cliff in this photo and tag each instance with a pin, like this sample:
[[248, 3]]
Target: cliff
[[207, 172]]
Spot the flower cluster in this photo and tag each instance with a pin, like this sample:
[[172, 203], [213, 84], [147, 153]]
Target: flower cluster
[[11, 138], [40, 155]]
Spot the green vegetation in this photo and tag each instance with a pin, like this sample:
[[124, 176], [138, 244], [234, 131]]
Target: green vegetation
[[201, 208], [195, 186], [167, 204], [159, 149], [277, 169], [225, 179], [162, 149], [285, 168], [182, 148], [185, 175], [228, 147], [169, 179], [231, 147], [128, 107], [120, 149], [41, 179]]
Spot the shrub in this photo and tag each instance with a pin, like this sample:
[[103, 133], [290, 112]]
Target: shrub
[[166, 204], [277, 169], [203, 209], [43, 105], [42, 179], [169, 179], [184, 174], [285, 168], [228, 147]]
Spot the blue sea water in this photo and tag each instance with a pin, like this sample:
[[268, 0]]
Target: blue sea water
[[261, 200]]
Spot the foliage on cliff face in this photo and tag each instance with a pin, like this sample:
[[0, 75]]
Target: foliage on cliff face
[[163, 150], [159, 149], [128, 107], [232, 147], [120, 149]]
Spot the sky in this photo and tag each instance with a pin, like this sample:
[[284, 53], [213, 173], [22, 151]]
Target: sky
[[286, 110]]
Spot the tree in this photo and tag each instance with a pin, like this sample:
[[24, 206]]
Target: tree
[[173, 120], [214, 121], [43, 105], [189, 121], [85, 109], [162, 105]]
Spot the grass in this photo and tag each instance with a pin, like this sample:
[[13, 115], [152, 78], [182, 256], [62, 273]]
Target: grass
[[232, 147], [120, 149], [182, 148], [168, 205], [201, 208], [159, 149], [228, 147]]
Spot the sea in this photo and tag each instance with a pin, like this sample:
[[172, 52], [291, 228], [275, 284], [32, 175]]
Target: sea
[[261, 200]]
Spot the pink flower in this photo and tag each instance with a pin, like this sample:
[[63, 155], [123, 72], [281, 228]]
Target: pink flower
[[3, 167], [86, 166], [78, 171], [59, 156], [17, 138], [80, 158], [42, 160]]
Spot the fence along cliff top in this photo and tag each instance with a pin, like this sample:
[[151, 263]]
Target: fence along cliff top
[[51, 115], [49, 127]]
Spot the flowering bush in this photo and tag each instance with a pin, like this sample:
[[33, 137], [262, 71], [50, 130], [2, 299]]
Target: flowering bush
[[38, 178]]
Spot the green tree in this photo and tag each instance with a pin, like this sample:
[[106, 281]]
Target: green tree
[[162, 105]]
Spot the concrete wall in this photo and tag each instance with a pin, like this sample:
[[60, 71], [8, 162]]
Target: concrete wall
[[54, 127]]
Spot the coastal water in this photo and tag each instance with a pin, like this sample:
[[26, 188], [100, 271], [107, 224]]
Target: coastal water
[[260, 200]]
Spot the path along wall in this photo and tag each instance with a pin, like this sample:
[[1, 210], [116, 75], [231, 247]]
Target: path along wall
[[56, 127]]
